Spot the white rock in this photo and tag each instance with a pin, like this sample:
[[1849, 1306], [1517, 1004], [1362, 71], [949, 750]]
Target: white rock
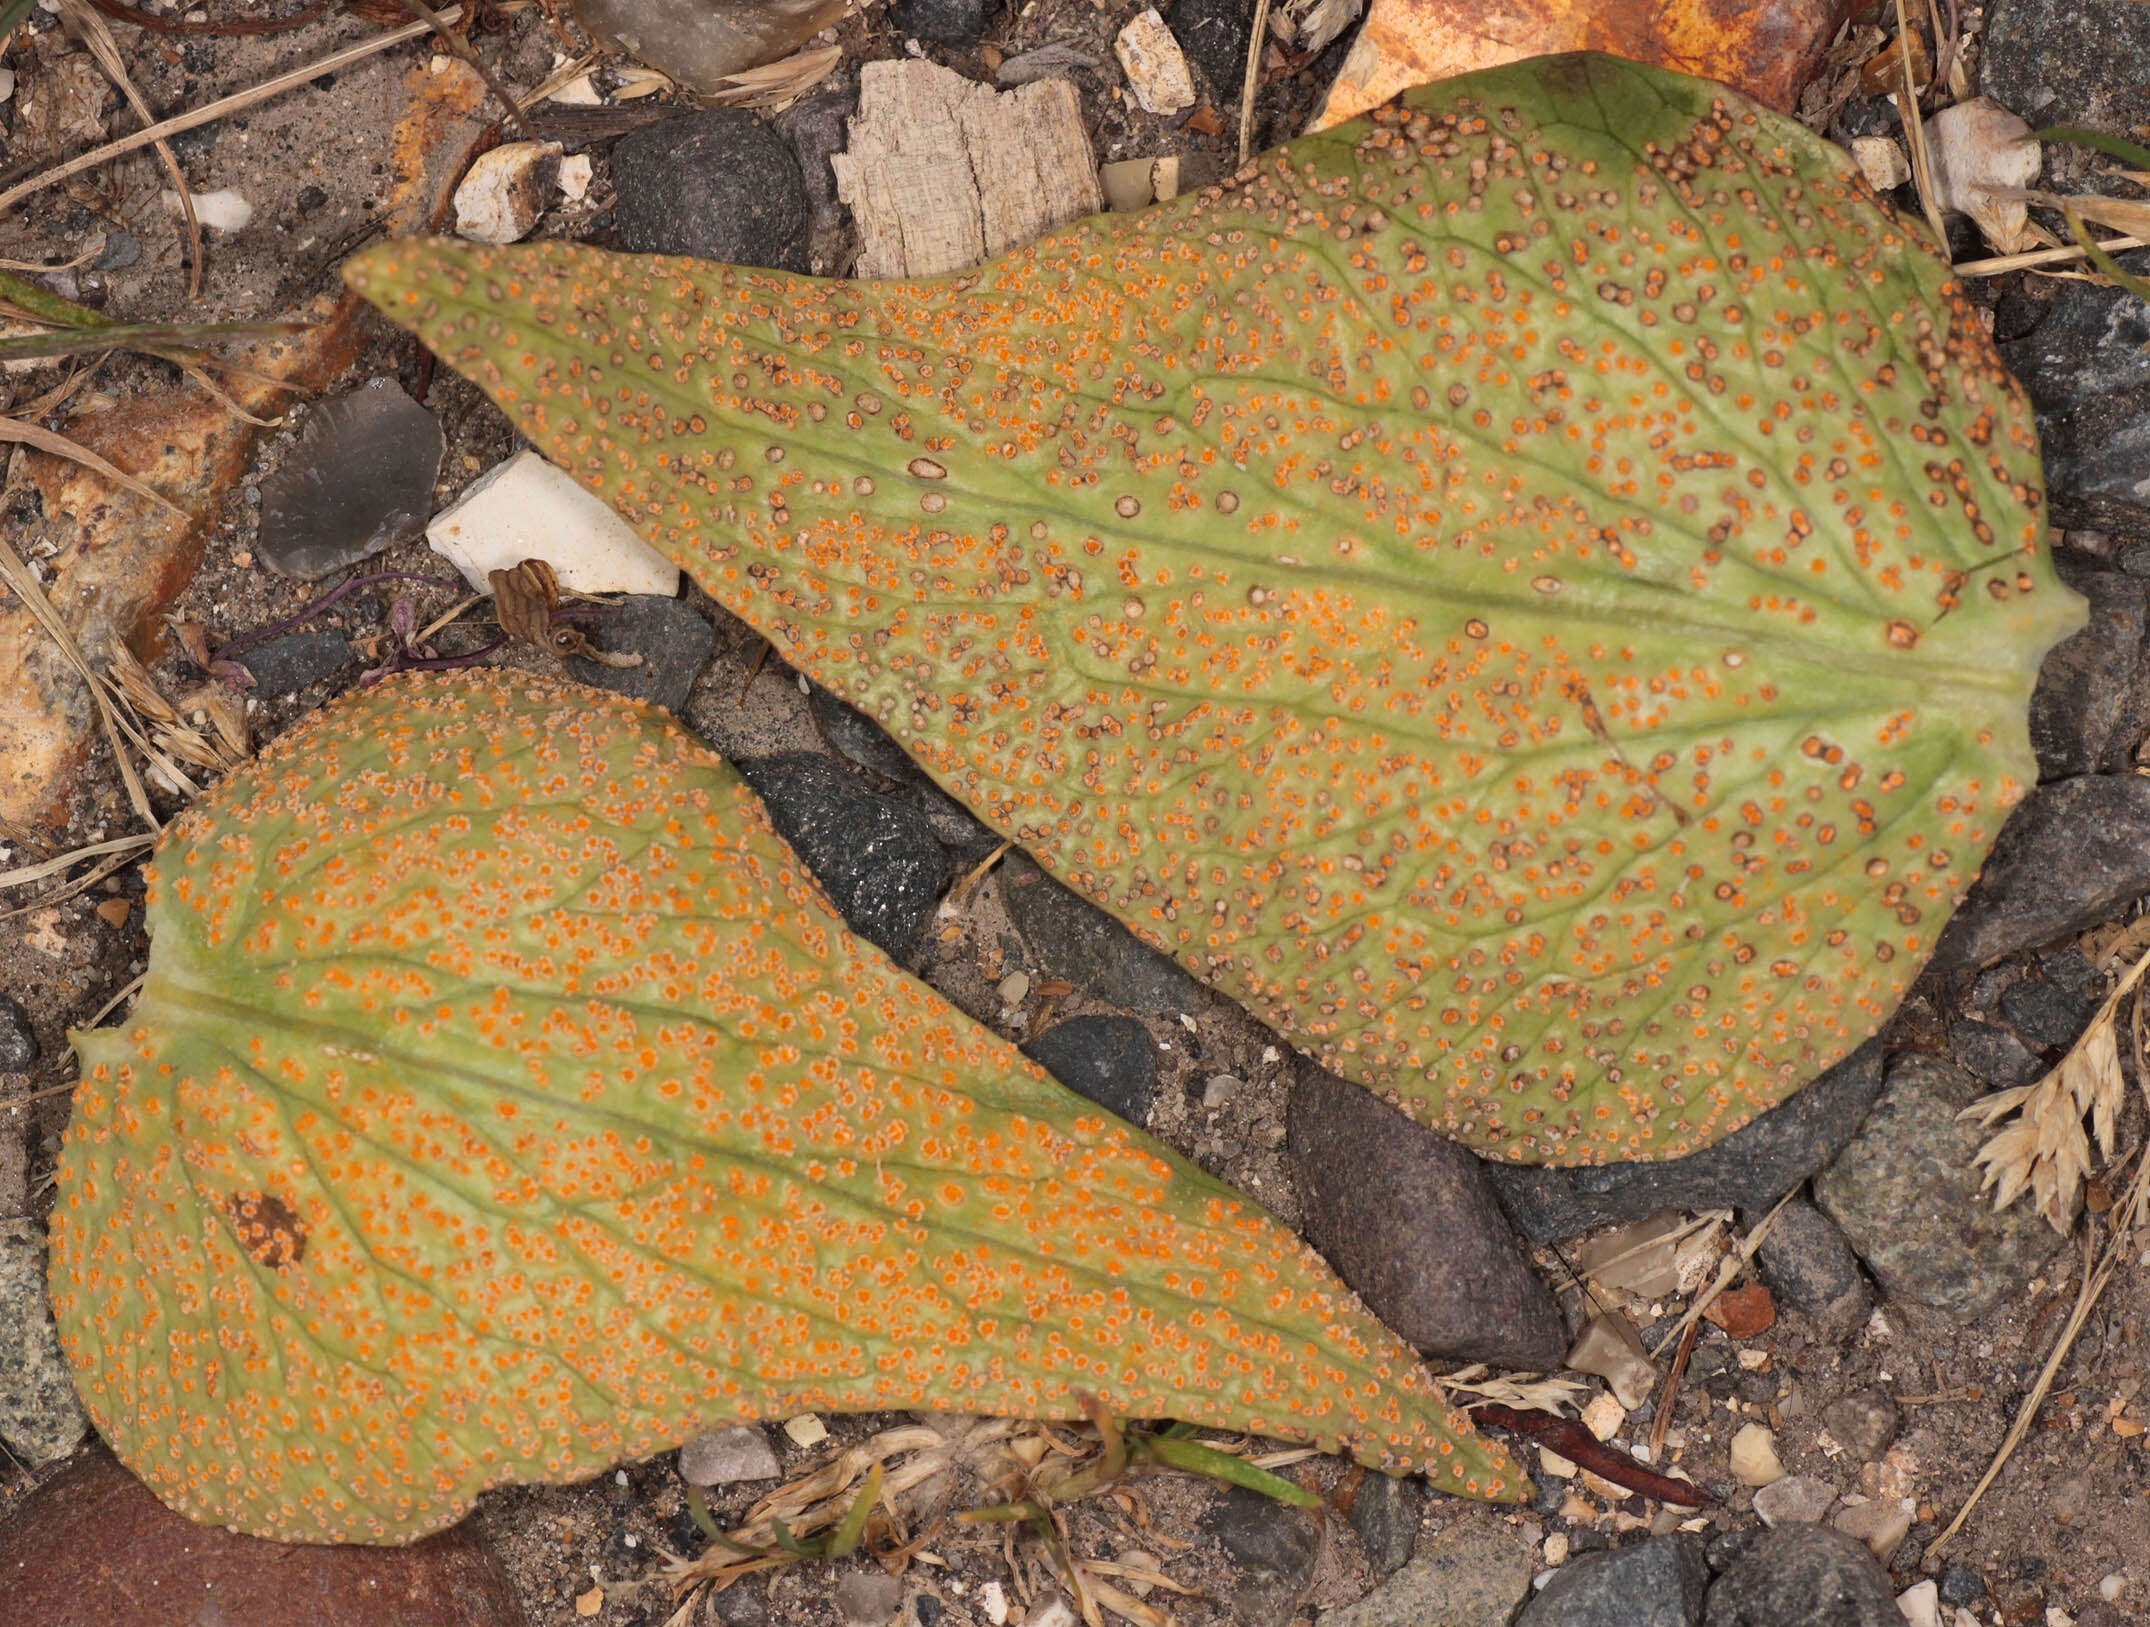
[[225, 211], [1921, 1605], [574, 177], [505, 191], [7, 83], [527, 508], [1982, 153], [1052, 1611], [1797, 1499], [1221, 1091], [806, 1430], [2111, 1585], [1604, 1416], [1554, 1464], [995, 1600], [1156, 70], [728, 1455], [580, 91], [1556, 1548], [1881, 161], [1754, 1456], [1015, 988]]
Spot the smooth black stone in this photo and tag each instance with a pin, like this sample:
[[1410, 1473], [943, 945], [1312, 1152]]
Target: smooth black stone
[[1412, 1226], [1658, 1583], [1111, 1060], [1801, 1576], [286, 665], [818, 128], [864, 741], [718, 185], [1276, 1547], [876, 860], [2069, 857], [1074, 940], [18, 1040], [673, 639], [941, 22], [1750, 1169]]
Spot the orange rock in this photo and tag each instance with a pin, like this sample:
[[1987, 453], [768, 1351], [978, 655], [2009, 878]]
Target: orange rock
[[1744, 1312]]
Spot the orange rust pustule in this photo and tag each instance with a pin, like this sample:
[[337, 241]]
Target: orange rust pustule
[[503, 1102], [1484, 586]]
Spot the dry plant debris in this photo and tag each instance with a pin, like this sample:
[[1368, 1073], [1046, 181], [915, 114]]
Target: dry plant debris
[[1535, 594], [503, 1101]]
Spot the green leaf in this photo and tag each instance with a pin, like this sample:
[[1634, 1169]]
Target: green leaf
[[2083, 136], [1535, 593], [503, 1101]]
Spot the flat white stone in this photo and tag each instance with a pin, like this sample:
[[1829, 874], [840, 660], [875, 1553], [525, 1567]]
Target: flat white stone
[[225, 211], [527, 508], [505, 191], [806, 1430]]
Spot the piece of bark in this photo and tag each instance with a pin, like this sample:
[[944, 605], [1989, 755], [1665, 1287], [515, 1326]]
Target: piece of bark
[[943, 173]]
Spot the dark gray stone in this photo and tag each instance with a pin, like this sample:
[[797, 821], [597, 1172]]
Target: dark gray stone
[[2068, 62], [2088, 376], [673, 639], [40, 1421], [1410, 1223], [1275, 1546], [718, 185], [1962, 1587], [1385, 1513], [1659, 1583], [866, 743], [1813, 1270], [1994, 1054], [1074, 940], [358, 479], [121, 250], [1800, 1576], [1750, 1169], [1906, 1195], [876, 860], [817, 128], [2069, 857], [2055, 1003], [1213, 34], [1111, 1060], [1471, 1573], [18, 1040], [1864, 1422], [2091, 709], [956, 23], [287, 664]]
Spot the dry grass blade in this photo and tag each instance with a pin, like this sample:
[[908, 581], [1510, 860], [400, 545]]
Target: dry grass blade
[[1734, 1263], [2045, 1150], [216, 743], [45, 440], [109, 865], [24, 874], [97, 34], [1253, 80], [1526, 1392], [1922, 165], [222, 108], [777, 84], [2032, 259]]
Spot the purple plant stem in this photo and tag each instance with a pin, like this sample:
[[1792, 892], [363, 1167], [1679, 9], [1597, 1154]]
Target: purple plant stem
[[298, 618]]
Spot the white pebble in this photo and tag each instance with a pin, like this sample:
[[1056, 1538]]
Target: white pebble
[[574, 177], [1754, 1456], [527, 508], [806, 1430], [501, 197], [224, 211]]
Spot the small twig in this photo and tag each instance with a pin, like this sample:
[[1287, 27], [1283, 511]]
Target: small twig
[[1922, 169], [222, 108], [1663, 1420], [2032, 258], [962, 889], [1252, 82]]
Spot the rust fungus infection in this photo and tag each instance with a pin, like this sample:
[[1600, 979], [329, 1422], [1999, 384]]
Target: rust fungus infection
[[1275, 536], [504, 1102]]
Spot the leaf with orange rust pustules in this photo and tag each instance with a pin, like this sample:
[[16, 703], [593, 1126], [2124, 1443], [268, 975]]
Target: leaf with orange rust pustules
[[1535, 593], [504, 1101]]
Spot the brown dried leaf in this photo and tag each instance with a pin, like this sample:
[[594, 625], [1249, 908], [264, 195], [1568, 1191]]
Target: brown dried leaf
[[776, 84]]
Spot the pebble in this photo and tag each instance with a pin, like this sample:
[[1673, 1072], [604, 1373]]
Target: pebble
[[1864, 1422], [93, 1545], [725, 1456], [504, 193], [1222, 1090], [1797, 1499], [18, 1040], [1921, 1604], [1881, 1523], [357, 479], [1014, 989], [674, 640], [718, 185], [1750, 1169], [805, 1430], [1110, 1060], [288, 663], [1127, 183], [1611, 1349], [2054, 1004], [1999, 1059], [1156, 69], [1907, 1198], [700, 43], [868, 1598], [874, 857], [1658, 1583], [1385, 1514], [121, 250], [1754, 1456], [220, 211], [2071, 855], [527, 508], [1409, 1222], [1472, 1571], [956, 23], [40, 1421], [1603, 1415], [1072, 939], [1813, 1270], [1790, 1576], [1962, 1587], [1276, 1547], [2091, 708]]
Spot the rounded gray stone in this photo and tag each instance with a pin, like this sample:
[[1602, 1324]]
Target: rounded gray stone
[[725, 1456], [1801, 1576], [1111, 1060], [718, 185], [1658, 1583], [40, 1420]]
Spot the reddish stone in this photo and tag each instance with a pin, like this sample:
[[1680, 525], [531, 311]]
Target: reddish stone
[[93, 1547], [1744, 1312]]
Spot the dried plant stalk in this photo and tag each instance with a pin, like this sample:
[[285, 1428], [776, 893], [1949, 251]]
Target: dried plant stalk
[[2045, 1150]]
